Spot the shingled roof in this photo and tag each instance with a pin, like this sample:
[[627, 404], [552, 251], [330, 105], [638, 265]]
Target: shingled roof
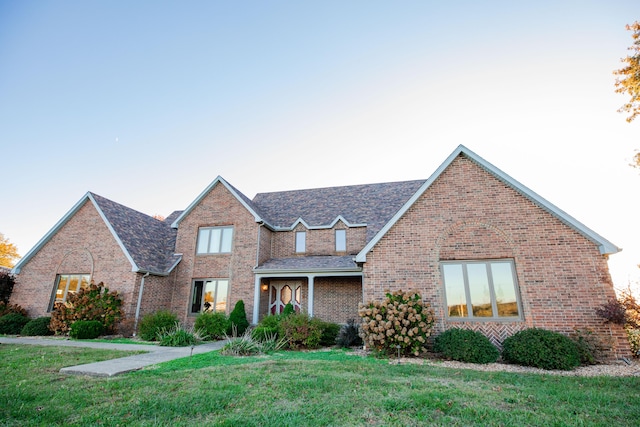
[[149, 242], [372, 205]]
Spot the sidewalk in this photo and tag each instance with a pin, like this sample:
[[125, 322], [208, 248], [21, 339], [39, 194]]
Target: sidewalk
[[109, 368]]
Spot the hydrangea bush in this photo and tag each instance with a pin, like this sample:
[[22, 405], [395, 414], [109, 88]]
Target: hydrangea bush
[[400, 324]]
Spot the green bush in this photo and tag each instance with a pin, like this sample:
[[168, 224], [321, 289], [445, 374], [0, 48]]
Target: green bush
[[271, 321], [92, 303], [6, 308], [213, 325], [153, 323], [37, 327], [238, 322], [12, 323], [634, 340], [261, 333], [300, 331], [288, 310], [593, 348], [86, 329], [329, 333], [401, 323], [465, 345], [178, 336], [247, 345], [349, 335], [542, 349]]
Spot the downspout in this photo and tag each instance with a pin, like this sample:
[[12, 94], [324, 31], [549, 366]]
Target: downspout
[[135, 324]]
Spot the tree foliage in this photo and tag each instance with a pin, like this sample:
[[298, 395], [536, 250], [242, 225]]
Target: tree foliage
[[628, 80], [8, 252]]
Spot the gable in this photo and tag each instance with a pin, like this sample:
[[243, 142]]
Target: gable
[[241, 198], [145, 242], [604, 246]]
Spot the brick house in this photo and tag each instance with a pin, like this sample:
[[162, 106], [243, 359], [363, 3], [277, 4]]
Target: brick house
[[484, 250]]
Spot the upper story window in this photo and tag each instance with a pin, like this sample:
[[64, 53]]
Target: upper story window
[[301, 241], [481, 290], [67, 284], [341, 240], [214, 240]]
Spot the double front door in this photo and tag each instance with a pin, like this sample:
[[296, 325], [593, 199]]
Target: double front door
[[283, 293]]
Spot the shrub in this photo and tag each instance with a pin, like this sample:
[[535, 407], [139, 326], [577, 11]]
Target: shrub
[[247, 345], [212, 324], [12, 323], [300, 331], [329, 333], [37, 327], [542, 349], [7, 280], [6, 308], [238, 322], [592, 348], [612, 311], [401, 323], [634, 340], [465, 345], [288, 310], [86, 329], [178, 336], [261, 333], [349, 335], [92, 303], [153, 323]]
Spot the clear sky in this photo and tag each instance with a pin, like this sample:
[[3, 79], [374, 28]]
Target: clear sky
[[146, 102]]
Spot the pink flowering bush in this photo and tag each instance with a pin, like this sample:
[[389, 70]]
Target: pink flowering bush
[[401, 323]]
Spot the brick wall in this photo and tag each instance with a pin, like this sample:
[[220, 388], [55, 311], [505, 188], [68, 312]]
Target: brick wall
[[84, 245], [469, 214], [336, 299], [218, 208]]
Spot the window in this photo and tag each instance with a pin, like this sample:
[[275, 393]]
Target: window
[[341, 240], [209, 295], [481, 290], [214, 240], [67, 284], [301, 241]]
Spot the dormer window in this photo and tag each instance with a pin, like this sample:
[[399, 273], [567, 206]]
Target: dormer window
[[341, 240], [301, 241], [214, 240]]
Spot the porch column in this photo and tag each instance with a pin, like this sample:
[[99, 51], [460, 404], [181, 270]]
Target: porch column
[[310, 296], [256, 300]]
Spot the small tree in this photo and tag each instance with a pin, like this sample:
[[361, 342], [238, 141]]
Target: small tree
[[238, 322]]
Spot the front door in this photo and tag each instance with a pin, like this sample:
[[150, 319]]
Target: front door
[[281, 294]]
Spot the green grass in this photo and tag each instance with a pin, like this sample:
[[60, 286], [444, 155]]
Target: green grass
[[299, 389]]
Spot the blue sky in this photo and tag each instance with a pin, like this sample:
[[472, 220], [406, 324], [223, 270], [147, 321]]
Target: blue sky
[[146, 102]]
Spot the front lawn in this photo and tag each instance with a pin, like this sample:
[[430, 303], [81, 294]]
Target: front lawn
[[299, 389]]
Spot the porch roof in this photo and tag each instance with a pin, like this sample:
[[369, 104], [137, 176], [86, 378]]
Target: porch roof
[[309, 264]]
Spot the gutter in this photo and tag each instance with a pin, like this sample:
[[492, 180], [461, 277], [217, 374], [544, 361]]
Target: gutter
[[135, 324]]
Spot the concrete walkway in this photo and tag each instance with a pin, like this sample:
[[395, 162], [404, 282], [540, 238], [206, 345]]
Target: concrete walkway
[[108, 368]]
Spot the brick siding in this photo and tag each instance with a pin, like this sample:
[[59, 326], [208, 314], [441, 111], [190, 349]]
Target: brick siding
[[467, 214], [84, 245]]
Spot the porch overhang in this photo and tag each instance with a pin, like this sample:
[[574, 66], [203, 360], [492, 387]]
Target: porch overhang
[[303, 267]]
